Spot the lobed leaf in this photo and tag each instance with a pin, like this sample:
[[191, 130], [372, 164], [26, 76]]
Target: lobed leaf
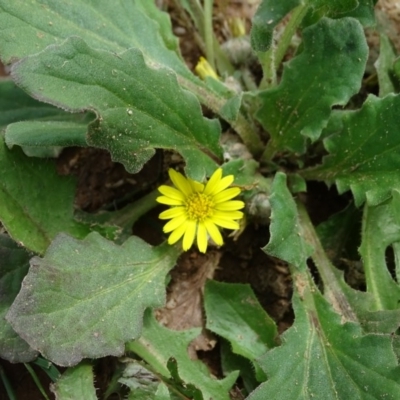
[[286, 241], [329, 69], [29, 27], [383, 222], [324, 359], [320, 356], [364, 151], [154, 346], [14, 264], [140, 108], [85, 299]]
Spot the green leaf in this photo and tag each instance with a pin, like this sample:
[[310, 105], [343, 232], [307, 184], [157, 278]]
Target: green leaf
[[232, 362], [234, 313], [340, 234], [14, 264], [321, 358], [29, 27], [381, 222], [154, 346], [16, 105], [140, 108], [162, 393], [286, 241], [76, 383], [46, 138], [364, 151], [332, 7], [267, 16], [396, 71], [364, 306], [35, 203], [143, 383], [117, 27], [329, 69], [384, 66], [85, 299], [362, 10], [40, 129]]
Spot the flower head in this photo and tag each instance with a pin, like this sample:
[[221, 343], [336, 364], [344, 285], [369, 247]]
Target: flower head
[[198, 210], [204, 69]]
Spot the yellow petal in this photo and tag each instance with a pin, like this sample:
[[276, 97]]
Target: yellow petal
[[214, 232], [177, 234], [168, 201], [227, 214], [190, 233], [225, 223], [172, 213], [224, 183], [202, 239], [230, 205], [180, 182], [171, 192], [196, 186], [226, 195], [174, 223], [213, 181]]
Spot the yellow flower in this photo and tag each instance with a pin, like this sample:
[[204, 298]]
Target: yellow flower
[[237, 27], [199, 210], [204, 69]]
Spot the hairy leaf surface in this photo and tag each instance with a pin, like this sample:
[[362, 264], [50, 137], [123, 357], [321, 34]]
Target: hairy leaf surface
[[364, 151], [85, 299], [321, 356], [76, 383], [327, 73], [140, 108]]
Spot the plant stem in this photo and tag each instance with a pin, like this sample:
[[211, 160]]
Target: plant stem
[[332, 286], [128, 215], [208, 31], [196, 25], [273, 57], [197, 14], [268, 153], [248, 134]]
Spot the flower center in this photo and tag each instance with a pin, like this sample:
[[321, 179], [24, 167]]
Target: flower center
[[199, 206]]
